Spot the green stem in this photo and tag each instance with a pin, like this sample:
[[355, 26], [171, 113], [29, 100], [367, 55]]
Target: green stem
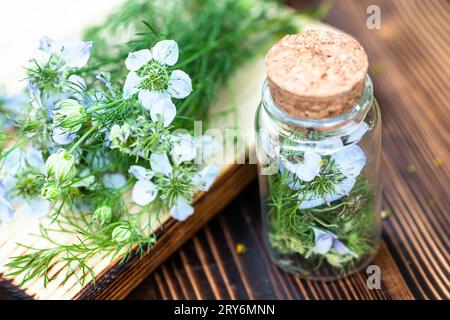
[[84, 137], [106, 105]]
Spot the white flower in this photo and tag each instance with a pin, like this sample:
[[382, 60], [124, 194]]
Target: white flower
[[74, 54], [20, 158], [153, 81], [114, 180], [357, 131], [183, 148], [205, 177], [141, 173], [144, 192], [160, 164], [182, 210], [307, 169], [350, 160]]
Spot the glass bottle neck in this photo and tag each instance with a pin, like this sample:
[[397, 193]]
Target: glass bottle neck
[[332, 126]]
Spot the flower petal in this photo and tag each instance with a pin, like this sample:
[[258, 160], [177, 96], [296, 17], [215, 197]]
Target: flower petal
[[342, 189], [14, 162], [149, 98], [183, 149], [61, 137], [357, 131], [182, 210], [164, 110], [144, 192], [76, 54], [205, 178], [137, 59], [160, 164], [350, 160], [323, 244], [310, 167], [6, 211], [35, 207], [342, 249], [141, 173], [114, 180], [34, 159], [131, 85], [166, 52], [2, 190], [180, 84], [309, 201]]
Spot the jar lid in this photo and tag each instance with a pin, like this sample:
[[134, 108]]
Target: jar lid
[[316, 74]]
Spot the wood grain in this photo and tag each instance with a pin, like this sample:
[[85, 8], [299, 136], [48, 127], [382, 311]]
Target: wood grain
[[410, 67]]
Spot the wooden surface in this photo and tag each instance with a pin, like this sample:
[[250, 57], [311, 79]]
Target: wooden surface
[[410, 66]]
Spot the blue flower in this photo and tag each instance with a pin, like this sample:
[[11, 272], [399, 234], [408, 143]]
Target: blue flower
[[73, 54], [6, 210], [325, 241]]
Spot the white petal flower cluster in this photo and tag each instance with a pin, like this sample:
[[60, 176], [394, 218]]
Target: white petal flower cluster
[[96, 137], [145, 190]]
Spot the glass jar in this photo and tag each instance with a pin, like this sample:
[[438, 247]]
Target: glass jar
[[320, 187]]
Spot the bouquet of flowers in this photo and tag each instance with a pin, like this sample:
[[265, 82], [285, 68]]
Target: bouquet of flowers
[[103, 143]]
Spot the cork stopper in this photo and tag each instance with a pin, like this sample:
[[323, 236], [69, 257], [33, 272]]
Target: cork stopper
[[316, 74]]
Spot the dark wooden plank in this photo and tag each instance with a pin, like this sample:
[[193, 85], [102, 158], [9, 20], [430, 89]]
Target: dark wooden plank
[[410, 67]]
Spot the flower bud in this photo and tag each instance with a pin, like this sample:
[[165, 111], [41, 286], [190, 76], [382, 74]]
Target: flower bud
[[50, 191], [102, 215], [69, 115], [121, 234], [61, 166], [121, 137]]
